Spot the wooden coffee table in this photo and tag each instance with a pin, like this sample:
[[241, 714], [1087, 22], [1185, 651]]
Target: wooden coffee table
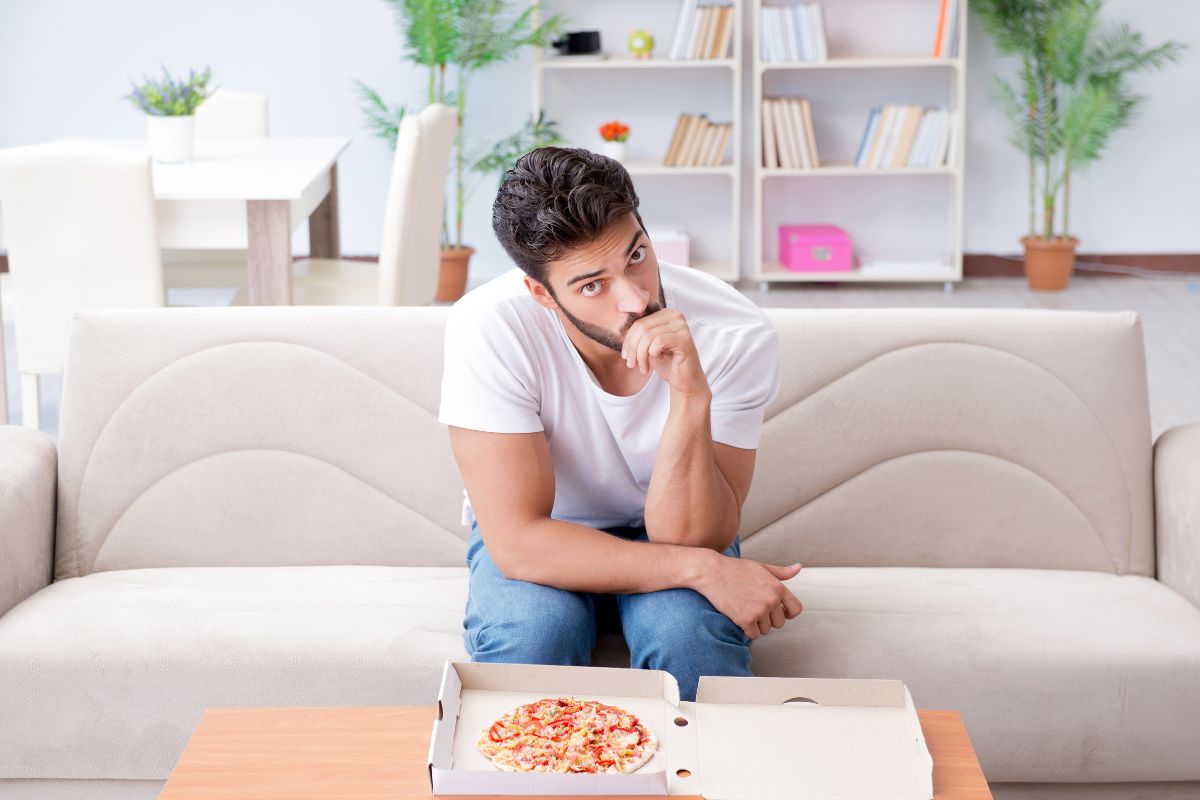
[[380, 753]]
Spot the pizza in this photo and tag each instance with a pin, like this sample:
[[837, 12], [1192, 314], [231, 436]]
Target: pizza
[[562, 734]]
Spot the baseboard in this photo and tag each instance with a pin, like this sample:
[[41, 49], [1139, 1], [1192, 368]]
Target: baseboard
[[980, 265]]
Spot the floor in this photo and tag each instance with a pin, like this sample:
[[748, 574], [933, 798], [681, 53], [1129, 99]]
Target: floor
[[1168, 305]]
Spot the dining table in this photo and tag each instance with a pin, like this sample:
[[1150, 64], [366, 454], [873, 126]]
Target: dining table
[[243, 194]]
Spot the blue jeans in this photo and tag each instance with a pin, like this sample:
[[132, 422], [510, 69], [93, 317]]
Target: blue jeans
[[676, 630]]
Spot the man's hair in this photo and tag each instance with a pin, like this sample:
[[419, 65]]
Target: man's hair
[[556, 199]]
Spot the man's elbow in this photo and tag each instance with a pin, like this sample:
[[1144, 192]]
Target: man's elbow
[[718, 539]]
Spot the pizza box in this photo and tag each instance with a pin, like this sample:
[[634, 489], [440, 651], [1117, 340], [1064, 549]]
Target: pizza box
[[743, 738]]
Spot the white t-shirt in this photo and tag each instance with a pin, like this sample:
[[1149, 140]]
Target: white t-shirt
[[511, 368]]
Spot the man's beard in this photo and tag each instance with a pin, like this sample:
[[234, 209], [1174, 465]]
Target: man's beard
[[606, 337]]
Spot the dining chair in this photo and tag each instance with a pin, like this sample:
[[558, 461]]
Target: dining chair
[[232, 114], [81, 233], [410, 250]]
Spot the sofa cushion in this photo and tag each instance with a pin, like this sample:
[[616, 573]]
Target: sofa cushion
[[106, 676], [1060, 676]]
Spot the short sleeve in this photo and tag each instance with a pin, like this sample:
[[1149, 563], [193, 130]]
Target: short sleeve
[[488, 378], [742, 386]]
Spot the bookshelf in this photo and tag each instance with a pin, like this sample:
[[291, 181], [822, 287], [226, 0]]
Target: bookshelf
[[583, 94], [905, 222]]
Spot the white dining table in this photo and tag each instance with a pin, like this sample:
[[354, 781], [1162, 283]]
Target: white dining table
[[246, 194], [249, 194]]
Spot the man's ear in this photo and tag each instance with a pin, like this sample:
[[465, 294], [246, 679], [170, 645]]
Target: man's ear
[[540, 293]]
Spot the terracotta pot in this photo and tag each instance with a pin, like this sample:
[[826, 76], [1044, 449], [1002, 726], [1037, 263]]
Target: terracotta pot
[[1049, 262], [452, 275]]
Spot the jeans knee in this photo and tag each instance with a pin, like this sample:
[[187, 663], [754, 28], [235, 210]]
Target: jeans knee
[[567, 640]]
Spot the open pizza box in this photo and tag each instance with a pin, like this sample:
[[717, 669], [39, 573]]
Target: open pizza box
[[743, 739]]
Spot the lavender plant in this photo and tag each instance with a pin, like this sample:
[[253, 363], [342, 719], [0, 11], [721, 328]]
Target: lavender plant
[[170, 97]]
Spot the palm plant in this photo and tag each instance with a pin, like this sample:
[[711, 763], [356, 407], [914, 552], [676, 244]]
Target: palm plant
[[1072, 95], [466, 37]]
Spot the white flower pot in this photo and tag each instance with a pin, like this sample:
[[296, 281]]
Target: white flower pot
[[614, 150], [171, 138]]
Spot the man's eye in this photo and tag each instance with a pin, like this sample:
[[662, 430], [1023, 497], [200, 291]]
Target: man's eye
[[639, 255], [590, 289]]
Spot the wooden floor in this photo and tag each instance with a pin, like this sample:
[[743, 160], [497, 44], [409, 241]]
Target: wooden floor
[[1169, 308]]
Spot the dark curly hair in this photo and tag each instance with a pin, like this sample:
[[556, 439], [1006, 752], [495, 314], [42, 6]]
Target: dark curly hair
[[556, 199]]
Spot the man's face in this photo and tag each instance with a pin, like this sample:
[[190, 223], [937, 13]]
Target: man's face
[[605, 286]]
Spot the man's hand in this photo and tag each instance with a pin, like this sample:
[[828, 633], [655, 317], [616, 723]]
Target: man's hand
[[663, 342], [750, 593]]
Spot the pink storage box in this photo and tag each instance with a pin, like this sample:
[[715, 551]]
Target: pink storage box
[[815, 248]]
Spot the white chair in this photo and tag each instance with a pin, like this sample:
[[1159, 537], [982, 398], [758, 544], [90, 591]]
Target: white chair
[[410, 252], [232, 114], [81, 233]]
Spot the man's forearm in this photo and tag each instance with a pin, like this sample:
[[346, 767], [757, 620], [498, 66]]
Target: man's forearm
[[582, 559], [689, 502]]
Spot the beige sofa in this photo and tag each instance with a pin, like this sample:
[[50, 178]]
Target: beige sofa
[[256, 507]]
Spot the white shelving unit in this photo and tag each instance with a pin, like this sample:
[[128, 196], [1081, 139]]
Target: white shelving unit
[[906, 224], [709, 207]]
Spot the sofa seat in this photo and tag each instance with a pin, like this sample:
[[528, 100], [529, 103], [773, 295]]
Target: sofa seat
[[107, 676], [137, 655], [1104, 663]]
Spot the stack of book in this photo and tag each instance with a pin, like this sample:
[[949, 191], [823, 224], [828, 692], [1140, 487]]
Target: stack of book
[[702, 31], [945, 42], [793, 33], [698, 142], [906, 136], [788, 138]]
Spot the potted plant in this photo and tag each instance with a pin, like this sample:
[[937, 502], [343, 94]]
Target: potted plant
[[468, 36], [1072, 95], [615, 135], [170, 106]]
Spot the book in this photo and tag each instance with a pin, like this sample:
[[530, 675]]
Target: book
[[795, 114], [770, 151], [676, 138], [694, 29], [687, 10], [791, 43], [908, 132], [868, 135], [941, 28], [724, 49], [810, 133], [881, 134], [723, 147], [691, 144], [916, 154], [785, 136], [712, 16], [817, 19]]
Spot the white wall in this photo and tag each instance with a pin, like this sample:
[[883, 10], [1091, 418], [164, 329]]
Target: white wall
[[65, 65]]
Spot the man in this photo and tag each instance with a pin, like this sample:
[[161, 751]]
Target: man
[[604, 410]]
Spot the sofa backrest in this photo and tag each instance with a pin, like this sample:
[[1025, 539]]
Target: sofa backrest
[[956, 437], [292, 436]]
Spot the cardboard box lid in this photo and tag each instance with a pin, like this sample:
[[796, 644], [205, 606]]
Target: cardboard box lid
[[809, 738]]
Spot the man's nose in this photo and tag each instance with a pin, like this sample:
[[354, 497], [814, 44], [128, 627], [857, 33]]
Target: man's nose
[[633, 299]]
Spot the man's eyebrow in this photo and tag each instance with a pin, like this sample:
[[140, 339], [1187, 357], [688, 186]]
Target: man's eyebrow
[[587, 276], [633, 244], [584, 277]]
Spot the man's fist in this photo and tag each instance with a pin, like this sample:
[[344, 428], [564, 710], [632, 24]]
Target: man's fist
[[663, 342], [751, 593]]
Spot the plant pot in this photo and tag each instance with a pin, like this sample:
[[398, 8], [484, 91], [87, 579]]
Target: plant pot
[[452, 274], [1049, 262], [614, 150], [171, 138]]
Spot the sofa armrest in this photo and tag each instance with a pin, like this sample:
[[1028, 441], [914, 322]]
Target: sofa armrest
[[28, 489], [1177, 509]]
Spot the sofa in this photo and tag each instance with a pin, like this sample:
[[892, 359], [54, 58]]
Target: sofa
[[258, 507]]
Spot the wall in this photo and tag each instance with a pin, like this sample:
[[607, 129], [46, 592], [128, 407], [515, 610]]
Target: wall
[[65, 65]]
